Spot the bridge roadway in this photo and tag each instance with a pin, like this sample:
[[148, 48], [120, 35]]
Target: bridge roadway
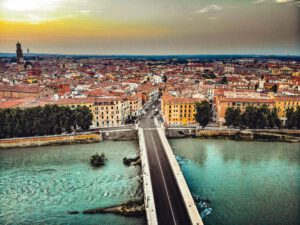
[[169, 204]]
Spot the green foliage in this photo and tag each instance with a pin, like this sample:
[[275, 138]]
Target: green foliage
[[253, 117], [232, 116], [273, 119], [274, 88], [164, 78], [39, 121], [83, 117], [224, 80], [293, 118], [209, 75], [297, 116], [203, 113], [98, 160]]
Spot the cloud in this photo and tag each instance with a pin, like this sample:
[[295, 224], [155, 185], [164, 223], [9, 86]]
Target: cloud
[[32, 5], [85, 11], [213, 18], [258, 1], [283, 1], [275, 1], [208, 8]]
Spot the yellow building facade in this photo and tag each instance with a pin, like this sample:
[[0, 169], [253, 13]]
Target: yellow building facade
[[179, 111], [283, 103]]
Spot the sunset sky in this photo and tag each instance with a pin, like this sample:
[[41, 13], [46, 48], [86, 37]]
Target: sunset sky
[[151, 26]]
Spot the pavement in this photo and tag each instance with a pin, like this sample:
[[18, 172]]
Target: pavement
[[169, 204]]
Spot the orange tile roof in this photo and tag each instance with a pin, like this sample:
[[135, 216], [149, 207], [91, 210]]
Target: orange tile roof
[[10, 104], [254, 100], [287, 98], [167, 99], [69, 101], [20, 88]]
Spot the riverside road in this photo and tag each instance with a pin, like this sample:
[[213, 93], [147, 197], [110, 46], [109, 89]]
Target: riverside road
[[169, 203]]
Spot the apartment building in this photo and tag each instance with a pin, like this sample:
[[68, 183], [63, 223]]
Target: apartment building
[[107, 112], [23, 91], [283, 103], [136, 104], [222, 103], [179, 110]]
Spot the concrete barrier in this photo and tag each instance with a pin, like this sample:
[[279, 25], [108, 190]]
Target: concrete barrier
[[147, 184], [184, 189]]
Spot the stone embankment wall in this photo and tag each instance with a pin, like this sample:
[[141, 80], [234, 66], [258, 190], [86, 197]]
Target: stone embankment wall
[[88, 137], [119, 134], [281, 135]]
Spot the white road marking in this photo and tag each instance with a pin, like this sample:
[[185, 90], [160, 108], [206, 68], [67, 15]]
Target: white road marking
[[163, 178]]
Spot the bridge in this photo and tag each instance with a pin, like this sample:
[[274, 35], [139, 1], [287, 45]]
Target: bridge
[[167, 196]]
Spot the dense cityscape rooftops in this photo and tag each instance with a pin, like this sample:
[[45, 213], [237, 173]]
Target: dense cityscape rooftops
[[135, 81]]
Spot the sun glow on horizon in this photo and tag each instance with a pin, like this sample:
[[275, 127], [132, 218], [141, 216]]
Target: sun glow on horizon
[[156, 26], [32, 5]]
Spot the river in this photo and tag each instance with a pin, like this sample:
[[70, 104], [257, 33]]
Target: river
[[254, 183], [39, 185], [246, 182]]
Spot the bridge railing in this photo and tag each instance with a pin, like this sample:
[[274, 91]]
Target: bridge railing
[[147, 184], [184, 189]]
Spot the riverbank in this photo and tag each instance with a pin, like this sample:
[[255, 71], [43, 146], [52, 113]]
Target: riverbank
[[272, 135], [79, 138]]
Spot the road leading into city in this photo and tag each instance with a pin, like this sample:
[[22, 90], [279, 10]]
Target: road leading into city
[[169, 204]]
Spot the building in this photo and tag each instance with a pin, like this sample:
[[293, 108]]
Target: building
[[19, 52], [107, 112], [228, 69], [136, 104], [23, 91], [283, 103], [73, 103], [222, 103], [179, 110], [286, 70]]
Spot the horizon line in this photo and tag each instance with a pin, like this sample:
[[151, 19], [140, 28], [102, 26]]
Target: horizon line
[[178, 54]]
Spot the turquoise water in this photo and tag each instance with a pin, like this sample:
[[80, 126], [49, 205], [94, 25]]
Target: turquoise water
[[247, 183], [39, 185]]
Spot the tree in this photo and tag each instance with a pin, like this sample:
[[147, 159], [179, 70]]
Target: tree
[[203, 113], [297, 117], [274, 88], [2, 120], [232, 116], [290, 118], [224, 80], [164, 78], [248, 118], [262, 117], [47, 120], [273, 119], [83, 117]]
